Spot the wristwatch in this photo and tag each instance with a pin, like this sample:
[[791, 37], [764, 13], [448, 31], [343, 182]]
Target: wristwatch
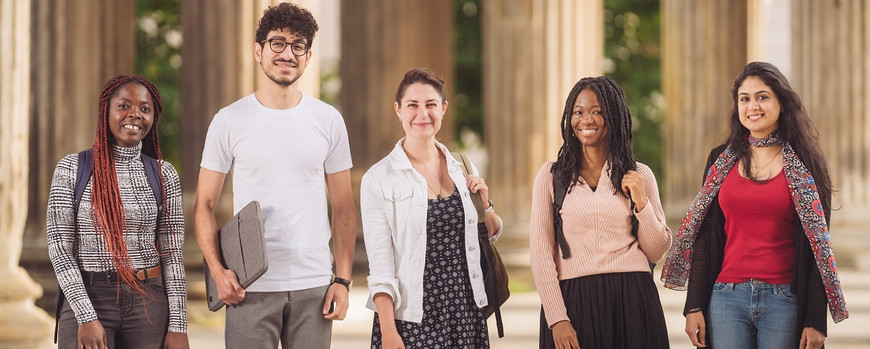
[[344, 282], [490, 208]]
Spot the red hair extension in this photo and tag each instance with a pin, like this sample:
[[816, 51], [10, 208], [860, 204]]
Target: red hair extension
[[106, 206]]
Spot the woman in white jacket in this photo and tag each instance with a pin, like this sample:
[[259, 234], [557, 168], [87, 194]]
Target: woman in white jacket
[[420, 230]]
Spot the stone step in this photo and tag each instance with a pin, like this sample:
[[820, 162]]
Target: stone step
[[522, 315], [521, 321]]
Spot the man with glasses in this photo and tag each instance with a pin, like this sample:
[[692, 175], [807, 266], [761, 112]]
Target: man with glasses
[[286, 149]]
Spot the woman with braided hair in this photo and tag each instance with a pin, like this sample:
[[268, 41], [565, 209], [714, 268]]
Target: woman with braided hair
[[591, 258], [754, 249], [116, 250]]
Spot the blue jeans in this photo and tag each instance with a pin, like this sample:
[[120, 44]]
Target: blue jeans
[[753, 314]]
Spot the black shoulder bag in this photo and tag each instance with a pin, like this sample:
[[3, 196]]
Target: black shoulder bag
[[495, 277]]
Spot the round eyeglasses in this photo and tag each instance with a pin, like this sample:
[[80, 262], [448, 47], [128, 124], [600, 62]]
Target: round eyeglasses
[[278, 45]]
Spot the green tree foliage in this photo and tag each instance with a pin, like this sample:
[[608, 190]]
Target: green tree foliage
[[158, 58], [632, 47], [467, 103]]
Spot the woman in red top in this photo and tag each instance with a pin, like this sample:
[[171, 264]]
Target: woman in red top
[[754, 247]]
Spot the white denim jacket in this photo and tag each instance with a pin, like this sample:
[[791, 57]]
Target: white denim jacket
[[393, 199]]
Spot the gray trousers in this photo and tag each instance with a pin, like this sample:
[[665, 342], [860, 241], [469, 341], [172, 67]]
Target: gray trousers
[[294, 317], [121, 312]]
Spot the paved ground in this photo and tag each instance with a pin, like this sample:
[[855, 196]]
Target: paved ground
[[521, 314]]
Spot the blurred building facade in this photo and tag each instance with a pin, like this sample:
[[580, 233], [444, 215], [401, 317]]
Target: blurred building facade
[[55, 56]]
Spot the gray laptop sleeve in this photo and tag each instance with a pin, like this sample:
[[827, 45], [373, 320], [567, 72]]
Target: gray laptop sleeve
[[243, 250]]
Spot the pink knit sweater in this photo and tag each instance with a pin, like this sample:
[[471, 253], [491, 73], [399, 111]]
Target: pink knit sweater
[[597, 227]]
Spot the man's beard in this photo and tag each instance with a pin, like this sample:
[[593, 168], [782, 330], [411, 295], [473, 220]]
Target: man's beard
[[278, 80]]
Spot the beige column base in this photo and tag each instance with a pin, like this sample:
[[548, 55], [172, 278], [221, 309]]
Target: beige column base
[[22, 324]]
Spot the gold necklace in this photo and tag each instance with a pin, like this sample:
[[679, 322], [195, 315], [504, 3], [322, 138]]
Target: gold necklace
[[758, 169]]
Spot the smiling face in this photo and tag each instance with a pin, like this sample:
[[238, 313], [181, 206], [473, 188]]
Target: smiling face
[[421, 111], [758, 107], [282, 68], [587, 120], [130, 114]]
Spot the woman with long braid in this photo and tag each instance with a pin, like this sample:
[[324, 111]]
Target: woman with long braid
[[116, 253], [594, 279], [754, 247]]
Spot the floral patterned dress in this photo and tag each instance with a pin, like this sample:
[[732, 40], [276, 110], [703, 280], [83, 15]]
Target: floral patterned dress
[[451, 319]]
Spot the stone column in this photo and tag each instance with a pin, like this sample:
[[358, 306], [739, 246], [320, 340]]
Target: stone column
[[769, 33], [704, 49], [76, 49], [218, 68], [534, 52], [76, 46], [22, 324], [831, 73], [380, 41]]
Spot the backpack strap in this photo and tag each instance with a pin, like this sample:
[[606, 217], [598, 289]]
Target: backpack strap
[[560, 189], [83, 175], [466, 170], [498, 322], [152, 171]]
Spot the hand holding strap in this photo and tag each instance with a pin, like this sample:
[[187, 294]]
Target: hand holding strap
[[475, 197]]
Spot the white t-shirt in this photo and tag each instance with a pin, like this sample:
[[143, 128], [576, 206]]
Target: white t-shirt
[[280, 158]]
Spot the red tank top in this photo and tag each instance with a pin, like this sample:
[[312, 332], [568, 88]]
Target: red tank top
[[759, 229]]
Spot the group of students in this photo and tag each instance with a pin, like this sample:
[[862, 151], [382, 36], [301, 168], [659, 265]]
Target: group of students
[[753, 250]]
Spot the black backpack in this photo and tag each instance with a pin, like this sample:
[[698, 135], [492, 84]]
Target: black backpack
[[83, 176]]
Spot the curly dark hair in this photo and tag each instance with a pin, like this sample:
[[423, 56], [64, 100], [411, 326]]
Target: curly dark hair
[[287, 16], [795, 126]]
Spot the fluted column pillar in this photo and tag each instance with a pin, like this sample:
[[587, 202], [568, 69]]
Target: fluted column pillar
[[533, 53], [831, 73], [769, 33], [75, 47], [22, 324], [704, 49], [380, 41], [218, 68]]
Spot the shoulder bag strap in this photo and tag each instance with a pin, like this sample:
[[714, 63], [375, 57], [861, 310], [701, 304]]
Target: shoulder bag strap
[[475, 197]]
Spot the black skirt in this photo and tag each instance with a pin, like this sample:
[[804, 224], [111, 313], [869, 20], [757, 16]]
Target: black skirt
[[618, 310]]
